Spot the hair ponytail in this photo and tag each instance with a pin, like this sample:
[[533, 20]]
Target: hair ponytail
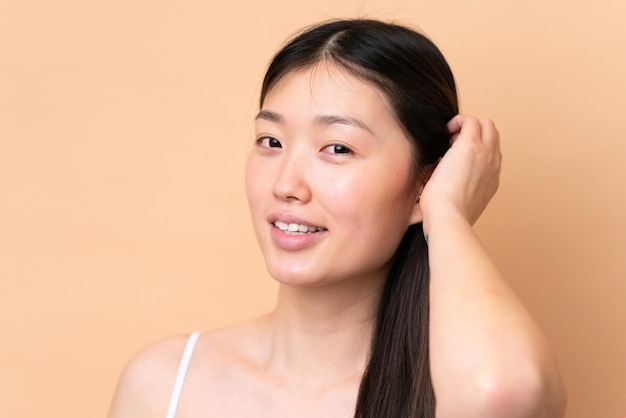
[[397, 382]]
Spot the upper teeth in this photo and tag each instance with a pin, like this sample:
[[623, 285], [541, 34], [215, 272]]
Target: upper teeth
[[296, 227]]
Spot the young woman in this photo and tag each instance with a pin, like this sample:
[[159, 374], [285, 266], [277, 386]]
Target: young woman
[[363, 185]]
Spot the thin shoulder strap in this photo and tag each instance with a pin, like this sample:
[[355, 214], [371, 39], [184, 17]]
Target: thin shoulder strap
[[182, 372]]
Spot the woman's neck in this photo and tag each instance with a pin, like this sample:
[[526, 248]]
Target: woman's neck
[[322, 335]]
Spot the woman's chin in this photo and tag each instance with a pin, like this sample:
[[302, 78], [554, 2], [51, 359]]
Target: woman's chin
[[295, 277]]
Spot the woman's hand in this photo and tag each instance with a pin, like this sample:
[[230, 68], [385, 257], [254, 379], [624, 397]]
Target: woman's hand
[[467, 176]]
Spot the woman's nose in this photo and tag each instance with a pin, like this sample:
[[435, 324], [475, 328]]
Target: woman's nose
[[292, 182]]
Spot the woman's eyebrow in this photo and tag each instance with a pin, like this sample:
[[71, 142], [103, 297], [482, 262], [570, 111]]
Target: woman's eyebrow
[[342, 120], [270, 116], [323, 120]]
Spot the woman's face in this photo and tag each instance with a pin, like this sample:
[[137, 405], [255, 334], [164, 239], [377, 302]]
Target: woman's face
[[329, 180]]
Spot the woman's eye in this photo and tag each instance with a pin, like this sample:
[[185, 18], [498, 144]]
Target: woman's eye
[[337, 149], [269, 142]]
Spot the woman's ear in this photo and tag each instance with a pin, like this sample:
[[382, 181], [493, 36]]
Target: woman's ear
[[420, 183], [416, 213]]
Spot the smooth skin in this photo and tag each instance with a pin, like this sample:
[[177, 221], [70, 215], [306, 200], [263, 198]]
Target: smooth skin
[[350, 177]]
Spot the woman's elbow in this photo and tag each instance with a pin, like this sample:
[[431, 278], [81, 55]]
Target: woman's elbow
[[528, 391]]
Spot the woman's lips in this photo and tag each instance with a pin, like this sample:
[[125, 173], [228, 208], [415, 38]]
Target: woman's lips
[[292, 233]]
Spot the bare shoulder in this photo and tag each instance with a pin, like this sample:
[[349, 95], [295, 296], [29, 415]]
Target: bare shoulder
[[146, 384]]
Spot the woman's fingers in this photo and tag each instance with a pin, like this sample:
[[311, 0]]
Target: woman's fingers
[[468, 174], [466, 125], [483, 129]]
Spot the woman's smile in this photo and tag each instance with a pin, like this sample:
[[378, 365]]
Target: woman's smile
[[294, 228], [292, 233]]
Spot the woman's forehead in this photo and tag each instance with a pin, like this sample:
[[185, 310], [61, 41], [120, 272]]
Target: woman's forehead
[[328, 87]]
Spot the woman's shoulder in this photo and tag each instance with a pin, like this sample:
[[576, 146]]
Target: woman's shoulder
[[147, 381], [145, 385]]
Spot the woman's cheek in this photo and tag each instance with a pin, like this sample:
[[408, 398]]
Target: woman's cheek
[[342, 190]]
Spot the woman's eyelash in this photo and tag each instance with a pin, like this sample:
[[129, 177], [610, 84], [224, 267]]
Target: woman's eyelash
[[269, 142], [338, 149]]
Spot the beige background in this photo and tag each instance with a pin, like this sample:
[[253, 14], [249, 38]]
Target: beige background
[[123, 132]]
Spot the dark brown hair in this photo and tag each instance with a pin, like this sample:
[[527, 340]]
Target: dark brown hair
[[413, 74]]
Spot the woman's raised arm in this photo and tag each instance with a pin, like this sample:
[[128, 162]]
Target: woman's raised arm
[[488, 357]]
